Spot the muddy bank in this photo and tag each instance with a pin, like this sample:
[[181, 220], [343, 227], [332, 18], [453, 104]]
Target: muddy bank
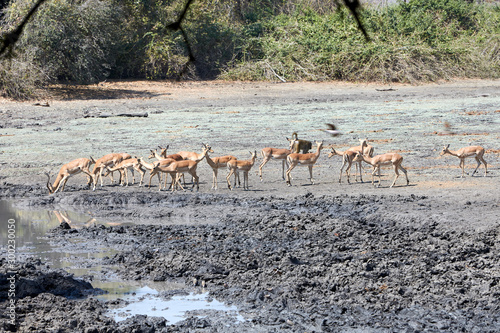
[[318, 264]]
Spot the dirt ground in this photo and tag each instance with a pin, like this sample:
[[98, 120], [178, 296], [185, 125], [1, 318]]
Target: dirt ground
[[275, 250]]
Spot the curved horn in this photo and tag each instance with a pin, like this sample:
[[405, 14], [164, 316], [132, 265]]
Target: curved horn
[[51, 189]]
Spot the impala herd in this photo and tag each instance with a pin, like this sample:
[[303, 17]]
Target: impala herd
[[176, 165]]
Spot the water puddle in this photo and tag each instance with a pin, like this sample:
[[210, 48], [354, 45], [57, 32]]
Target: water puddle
[[141, 297], [147, 301]]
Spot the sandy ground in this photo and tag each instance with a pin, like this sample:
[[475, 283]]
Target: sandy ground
[[235, 118]]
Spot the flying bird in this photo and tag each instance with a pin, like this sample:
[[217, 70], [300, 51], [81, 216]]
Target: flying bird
[[332, 130]]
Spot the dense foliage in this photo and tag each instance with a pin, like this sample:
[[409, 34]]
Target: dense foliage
[[87, 41]]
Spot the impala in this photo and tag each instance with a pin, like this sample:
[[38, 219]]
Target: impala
[[235, 166], [154, 171], [123, 166], [217, 163], [100, 164], [176, 168], [385, 159], [473, 151], [70, 169], [163, 153], [192, 156], [276, 154], [309, 159], [363, 148], [347, 159]]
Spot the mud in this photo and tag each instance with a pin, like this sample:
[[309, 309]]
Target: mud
[[327, 257]]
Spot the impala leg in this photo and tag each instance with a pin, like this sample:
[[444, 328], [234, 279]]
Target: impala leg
[[290, 168], [100, 177], [283, 168], [231, 171], [477, 167], [195, 181], [406, 174], [62, 183], [310, 167], [175, 181], [485, 165], [237, 176], [151, 177], [166, 181], [264, 161], [89, 176], [340, 175], [397, 175], [125, 175], [142, 172], [360, 167], [348, 173], [133, 176], [214, 178], [373, 175]]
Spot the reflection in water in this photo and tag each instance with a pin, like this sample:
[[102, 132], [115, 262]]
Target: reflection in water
[[31, 227]]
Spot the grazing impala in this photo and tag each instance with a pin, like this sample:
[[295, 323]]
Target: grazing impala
[[473, 151], [123, 166], [303, 159], [70, 169], [347, 159], [100, 164], [217, 163], [385, 159], [276, 154], [235, 166]]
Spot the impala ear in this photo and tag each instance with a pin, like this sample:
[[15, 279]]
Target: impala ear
[[448, 146]]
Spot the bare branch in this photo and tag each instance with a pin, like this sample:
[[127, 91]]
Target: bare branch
[[12, 37]]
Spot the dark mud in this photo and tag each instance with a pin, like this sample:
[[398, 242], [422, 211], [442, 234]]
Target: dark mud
[[327, 257], [307, 264]]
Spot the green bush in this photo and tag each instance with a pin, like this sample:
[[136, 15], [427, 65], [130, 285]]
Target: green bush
[[420, 40]]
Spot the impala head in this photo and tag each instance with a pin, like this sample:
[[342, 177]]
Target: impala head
[[445, 150], [106, 171], [153, 152], [319, 144], [358, 157], [332, 153], [163, 151], [207, 148], [364, 143]]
